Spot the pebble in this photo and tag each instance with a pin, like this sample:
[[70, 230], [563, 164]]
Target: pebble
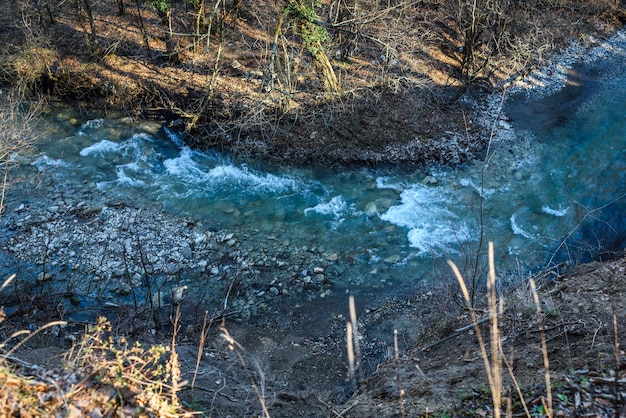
[[44, 277], [371, 209], [392, 259], [429, 180], [116, 254]]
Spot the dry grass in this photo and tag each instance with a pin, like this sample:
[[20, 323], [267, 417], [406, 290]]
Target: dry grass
[[103, 375], [571, 398]]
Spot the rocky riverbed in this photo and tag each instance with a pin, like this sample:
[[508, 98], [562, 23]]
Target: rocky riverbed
[[78, 256], [76, 259], [96, 253]]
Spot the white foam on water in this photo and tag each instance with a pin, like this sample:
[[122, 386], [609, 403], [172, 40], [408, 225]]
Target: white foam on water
[[433, 228], [126, 180], [133, 160], [481, 190], [384, 183], [555, 212], [185, 168], [239, 178], [100, 148], [336, 208], [91, 124], [44, 161], [133, 147], [518, 230], [104, 185], [175, 137]]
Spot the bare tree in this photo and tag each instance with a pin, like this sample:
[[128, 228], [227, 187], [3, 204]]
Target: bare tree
[[84, 12], [313, 37], [164, 11], [17, 118], [482, 25]]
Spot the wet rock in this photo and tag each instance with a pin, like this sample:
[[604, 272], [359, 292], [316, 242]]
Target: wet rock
[[392, 259], [186, 252], [91, 211], [172, 269], [124, 289], [371, 209], [429, 180], [44, 277], [225, 237]]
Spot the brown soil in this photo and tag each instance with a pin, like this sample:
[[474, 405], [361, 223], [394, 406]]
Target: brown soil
[[583, 319], [400, 83], [438, 371]]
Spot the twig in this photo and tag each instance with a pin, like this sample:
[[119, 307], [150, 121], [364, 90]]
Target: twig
[[457, 332]]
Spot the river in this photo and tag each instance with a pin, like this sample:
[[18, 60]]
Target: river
[[548, 191]]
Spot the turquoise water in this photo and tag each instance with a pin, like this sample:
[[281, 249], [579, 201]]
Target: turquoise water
[[549, 192]]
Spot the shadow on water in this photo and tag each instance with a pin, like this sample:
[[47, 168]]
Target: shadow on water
[[590, 109], [542, 114]]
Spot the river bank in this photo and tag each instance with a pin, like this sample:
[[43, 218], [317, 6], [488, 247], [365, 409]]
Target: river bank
[[411, 89]]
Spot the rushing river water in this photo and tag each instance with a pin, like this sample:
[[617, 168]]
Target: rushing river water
[[546, 194]]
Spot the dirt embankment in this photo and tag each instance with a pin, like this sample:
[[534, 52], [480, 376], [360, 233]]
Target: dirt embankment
[[293, 82], [439, 372], [582, 321]]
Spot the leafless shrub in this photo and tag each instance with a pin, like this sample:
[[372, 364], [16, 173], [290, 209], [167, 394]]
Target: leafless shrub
[[17, 119]]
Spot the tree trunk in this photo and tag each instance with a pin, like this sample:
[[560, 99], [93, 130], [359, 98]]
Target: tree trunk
[[170, 44], [199, 21], [142, 27], [92, 38], [120, 8], [325, 70]]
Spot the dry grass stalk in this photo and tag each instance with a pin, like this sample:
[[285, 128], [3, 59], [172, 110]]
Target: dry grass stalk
[[355, 339], [206, 325], [544, 349], [495, 310], [518, 389], [174, 364], [234, 346], [350, 348], [493, 363], [396, 350], [28, 335], [494, 359]]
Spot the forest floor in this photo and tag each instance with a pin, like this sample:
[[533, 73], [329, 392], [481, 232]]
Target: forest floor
[[407, 92]]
